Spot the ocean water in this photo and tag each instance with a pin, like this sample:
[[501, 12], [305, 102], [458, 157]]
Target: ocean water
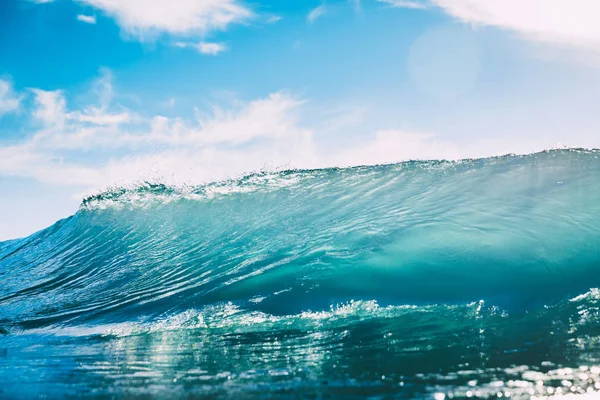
[[433, 280]]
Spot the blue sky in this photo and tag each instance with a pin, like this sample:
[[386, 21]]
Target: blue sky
[[98, 93]]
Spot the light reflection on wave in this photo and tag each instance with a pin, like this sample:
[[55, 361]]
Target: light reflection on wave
[[354, 349]]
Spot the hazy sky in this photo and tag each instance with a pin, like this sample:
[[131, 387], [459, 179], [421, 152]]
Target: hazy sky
[[97, 93]]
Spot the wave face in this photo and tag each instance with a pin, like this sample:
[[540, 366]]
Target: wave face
[[418, 279]]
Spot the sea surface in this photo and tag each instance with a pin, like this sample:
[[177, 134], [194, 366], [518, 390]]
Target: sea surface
[[426, 279]]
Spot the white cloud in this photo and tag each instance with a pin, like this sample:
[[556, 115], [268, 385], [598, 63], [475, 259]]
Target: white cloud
[[88, 19], [102, 88], [316, 13], [122, 147], [207, 48], [97, 116], [566, 22], [9, 101], [272, 19], [50, 106], [143, 18], [417, 4], [221, 142], [224, 142], [24, 161], [95, 125]]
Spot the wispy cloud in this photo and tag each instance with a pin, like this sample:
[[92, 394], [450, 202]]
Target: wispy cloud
[[316, 13], [148, 18], [565, 22], [416, 4], [9, 100], [220, 141], [207, 48], [93, 125], [272, 19], [88, 19], [50, 106]]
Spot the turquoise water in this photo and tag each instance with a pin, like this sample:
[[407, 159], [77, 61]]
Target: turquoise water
[[415, 280]]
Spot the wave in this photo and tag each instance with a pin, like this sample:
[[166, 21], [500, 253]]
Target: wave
[[428, 279], [519, 232]]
